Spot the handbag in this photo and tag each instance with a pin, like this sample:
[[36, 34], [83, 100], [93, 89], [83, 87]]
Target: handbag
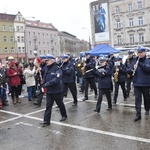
[[23, 80]]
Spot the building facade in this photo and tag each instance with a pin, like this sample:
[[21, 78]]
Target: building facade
[[128, 23]]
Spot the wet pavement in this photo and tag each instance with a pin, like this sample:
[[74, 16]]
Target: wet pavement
[[83, 130]]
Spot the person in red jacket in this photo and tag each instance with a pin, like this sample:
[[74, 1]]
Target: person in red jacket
[[13, 74]]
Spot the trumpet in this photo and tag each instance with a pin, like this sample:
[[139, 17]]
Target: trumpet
[[135, 66]]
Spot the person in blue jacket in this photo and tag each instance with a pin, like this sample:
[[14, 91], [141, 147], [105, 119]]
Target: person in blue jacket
[[104, 83], [89, 78], [68, 78], [119, 74], [52, 83], [140, 70]]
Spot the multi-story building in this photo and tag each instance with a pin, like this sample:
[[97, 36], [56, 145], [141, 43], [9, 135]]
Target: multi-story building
[[69, 43], [128, 22], [41, 37], [21, 38]]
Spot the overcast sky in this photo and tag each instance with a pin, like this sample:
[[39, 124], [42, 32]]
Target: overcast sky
[[66, 15]]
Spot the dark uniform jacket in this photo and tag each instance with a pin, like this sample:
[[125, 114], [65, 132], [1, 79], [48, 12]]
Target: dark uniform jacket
[[142, 73], [104, 77], [52, 79], [122, 72], [90, 64], [67, 72], [3, 77]]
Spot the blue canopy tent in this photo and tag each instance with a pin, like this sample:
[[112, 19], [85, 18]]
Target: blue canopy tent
[[104, 49]]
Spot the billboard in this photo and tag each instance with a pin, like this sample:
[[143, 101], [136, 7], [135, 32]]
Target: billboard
[[100, 19]]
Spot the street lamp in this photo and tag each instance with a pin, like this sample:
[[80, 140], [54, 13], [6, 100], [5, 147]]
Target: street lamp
[[89, 37]]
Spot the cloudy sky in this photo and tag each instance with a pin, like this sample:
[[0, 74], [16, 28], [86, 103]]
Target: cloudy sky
[[66, 15]]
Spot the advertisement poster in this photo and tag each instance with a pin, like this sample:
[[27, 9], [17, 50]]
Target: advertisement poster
[[100, 16]]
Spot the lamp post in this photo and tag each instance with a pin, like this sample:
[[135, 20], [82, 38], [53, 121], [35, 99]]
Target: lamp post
[[89, 37]]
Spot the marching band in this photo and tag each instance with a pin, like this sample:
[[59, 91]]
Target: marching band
[[56, 75]]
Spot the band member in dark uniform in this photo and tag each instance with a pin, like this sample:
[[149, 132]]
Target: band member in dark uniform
[[128, 62], [104, 83], [119, 74], [140, 70], [89, 78], [52, 83], [68, 78]]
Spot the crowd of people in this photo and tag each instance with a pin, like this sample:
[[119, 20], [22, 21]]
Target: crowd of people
[[54, 76]]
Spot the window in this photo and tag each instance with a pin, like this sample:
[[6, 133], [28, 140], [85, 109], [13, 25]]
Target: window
[[118, 24], [44, 52], [43, 35], [4, 28], [18, 38], [131, 38], [30, 43], [40, 52], [130, 7], [6, 50], [140, 21], [34, 34], [22, 39], [12, 50], [17, 28], [131, 22], [43, 44], [10, 28], [29, 34], [141, 37], [23, 50], [5, 38], [39, 43], [19, 49], [38, 34], [30, 52], [119, 41], [19, 18], [139, 5], [47, 43], [11, 39], [117, 9]]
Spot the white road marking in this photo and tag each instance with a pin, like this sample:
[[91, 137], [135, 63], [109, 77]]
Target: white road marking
[[75, 126], [128, 137]]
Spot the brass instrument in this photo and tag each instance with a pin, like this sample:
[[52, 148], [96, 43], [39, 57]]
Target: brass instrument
[[116, 74], [136, 65], [83, 70]]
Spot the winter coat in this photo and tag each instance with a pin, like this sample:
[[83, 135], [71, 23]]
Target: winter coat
[[13, 75], [67, 72], [52, 79], [29, 76], [90, 64], [141, 77], [104, 77]]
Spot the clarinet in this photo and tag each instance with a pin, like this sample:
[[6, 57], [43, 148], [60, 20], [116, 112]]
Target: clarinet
[[134, 70]]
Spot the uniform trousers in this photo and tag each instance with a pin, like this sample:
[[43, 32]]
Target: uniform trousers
[[139, 92], [128, 85], [73, 90], [90, 81], [122, 84], [50, 98], [100, 98]]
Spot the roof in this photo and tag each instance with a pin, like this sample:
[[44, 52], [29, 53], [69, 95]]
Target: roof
[[39, 24], [7, 17]]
